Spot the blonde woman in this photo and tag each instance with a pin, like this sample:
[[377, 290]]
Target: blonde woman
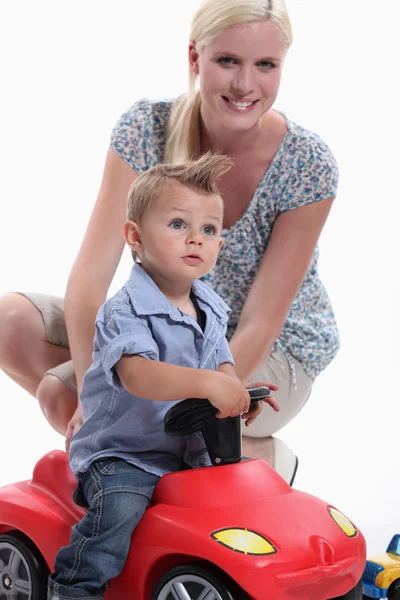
[[277, 198]]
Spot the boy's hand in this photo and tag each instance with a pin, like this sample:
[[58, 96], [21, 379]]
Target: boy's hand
[[257, 407], [228, 395]]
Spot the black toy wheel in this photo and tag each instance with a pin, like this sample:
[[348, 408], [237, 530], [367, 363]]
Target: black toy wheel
[[23, 572], [394, 591], [190, 582], [354, 594]]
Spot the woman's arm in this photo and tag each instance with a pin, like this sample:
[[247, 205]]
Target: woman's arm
[[286, 260], [97, 261]]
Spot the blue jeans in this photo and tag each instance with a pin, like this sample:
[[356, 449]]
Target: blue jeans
[[117, 494]]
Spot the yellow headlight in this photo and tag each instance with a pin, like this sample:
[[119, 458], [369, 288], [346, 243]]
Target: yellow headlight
[[243, 540], [344, 523]]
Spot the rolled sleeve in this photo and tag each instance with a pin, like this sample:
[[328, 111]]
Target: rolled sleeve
[[124, 333], [224, 353]]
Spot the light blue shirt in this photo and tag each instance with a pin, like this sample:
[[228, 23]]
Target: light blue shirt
[[140, 320]]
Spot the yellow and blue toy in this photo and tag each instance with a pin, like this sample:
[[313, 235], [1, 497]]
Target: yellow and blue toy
[[381, 578]]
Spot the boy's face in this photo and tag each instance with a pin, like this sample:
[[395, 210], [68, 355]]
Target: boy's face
[[180, 235]]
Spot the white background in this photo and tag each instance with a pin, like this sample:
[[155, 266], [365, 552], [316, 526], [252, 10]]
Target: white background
[[69, 69]]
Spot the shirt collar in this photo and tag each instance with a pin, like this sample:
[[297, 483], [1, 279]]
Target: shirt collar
[[205, 294], [147, 299]]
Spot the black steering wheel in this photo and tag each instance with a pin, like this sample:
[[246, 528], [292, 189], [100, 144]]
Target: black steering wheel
[[222, 436], [190, 415]]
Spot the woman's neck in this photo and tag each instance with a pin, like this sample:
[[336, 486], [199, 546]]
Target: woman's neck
[[214, 136]]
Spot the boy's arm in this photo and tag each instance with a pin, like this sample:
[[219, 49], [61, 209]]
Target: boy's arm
[[151, 378], [130, 358], [226, 362], [155, 380]]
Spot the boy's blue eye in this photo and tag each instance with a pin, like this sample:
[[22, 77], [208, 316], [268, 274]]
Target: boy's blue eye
[[209, 230], [176, 224]]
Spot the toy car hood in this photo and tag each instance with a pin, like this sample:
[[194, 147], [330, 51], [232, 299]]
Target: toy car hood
[[254, 518], [387, 560]]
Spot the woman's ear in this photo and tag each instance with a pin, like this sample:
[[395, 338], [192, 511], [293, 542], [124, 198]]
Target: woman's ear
[[132, 236], [193, 57]]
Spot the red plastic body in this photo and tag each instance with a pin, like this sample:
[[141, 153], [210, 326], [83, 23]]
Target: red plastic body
[[314, 557]]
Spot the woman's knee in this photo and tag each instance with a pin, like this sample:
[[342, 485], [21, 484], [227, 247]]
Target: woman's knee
[[20, 326], [57, 402]]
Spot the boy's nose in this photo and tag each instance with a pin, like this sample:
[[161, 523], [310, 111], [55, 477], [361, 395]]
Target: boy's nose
[[195, 238]]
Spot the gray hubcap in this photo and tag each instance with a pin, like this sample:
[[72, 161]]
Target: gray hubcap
[[15, 577], [188, 587]]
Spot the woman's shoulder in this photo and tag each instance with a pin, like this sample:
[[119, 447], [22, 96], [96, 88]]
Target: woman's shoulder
[[145, 112], [305, 169], [304, 142], [139, 134]]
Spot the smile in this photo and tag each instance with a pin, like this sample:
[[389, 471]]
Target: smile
[[242, 106]]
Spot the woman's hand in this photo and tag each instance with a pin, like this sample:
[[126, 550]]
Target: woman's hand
[[257, 407], [73, 426]]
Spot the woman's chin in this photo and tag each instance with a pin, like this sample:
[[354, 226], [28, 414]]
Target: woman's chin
[[241, 124]]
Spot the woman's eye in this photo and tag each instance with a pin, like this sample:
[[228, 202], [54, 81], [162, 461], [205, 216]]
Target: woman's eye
[[265, 64], [209, 230], [226, 60], [177, 224]]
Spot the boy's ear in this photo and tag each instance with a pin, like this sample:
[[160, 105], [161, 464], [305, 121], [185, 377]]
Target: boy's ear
[[220, 244], [132, 236]]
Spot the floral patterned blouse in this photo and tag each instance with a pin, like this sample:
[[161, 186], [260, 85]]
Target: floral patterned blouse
[[302, 171]]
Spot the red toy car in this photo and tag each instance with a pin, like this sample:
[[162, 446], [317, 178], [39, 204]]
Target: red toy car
[[230, 532]]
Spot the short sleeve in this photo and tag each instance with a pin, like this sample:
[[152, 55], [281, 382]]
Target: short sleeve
[[314, 175], [224, 353], [123, 333], [139, 135]]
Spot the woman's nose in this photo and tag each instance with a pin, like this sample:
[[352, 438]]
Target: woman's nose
[[242, 82]]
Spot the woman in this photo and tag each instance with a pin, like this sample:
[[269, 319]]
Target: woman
[[277, 198]]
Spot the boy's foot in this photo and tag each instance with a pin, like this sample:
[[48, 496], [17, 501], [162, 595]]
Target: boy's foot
[[275, 452]]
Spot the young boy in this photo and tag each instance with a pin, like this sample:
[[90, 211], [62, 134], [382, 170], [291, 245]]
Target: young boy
[[159, 340]]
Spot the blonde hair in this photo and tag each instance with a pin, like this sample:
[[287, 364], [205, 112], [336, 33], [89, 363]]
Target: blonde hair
[[212, 18], [200, 175]]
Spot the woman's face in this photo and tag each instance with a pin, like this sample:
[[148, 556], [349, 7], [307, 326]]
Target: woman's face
[[240, 73]]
